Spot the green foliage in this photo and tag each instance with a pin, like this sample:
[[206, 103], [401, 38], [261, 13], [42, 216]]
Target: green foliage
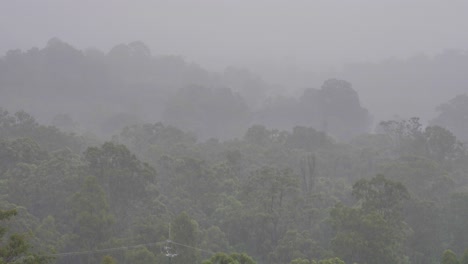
[[152, 141], [185, 231], [209, 112], [334, 108], [299, 261], [458, 217], [323, 261], [268, 194], [406, 135], [91, 217], [123, 177], [464, 259], [374, 232], [425, 219], [243, 258], [340, 107], [108, 260], [23, 125], [329, 261], [449, 257], [295, 245], [281, 196], [140, 256], [308, 139], [381, 195], [220, 258], [214, 239], [441, 143], [420, 175], [15, 248], [452, 115], [257, 134], [44, 186], [234, 258], [409, 139]]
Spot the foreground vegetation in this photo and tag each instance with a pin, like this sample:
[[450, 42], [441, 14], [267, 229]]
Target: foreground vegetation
[[281, 197]]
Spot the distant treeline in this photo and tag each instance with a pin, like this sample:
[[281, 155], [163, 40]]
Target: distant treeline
[[101, 92]]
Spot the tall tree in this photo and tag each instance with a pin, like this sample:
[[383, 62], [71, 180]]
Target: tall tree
[[458, 218], [374, 232], [464, 259], [453, 116], [125, 179], [449, 257], [234, 258], [15, 248], [185, 232], [91, 217]]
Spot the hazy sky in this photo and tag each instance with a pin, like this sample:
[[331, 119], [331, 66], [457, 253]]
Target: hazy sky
[[222, 32]]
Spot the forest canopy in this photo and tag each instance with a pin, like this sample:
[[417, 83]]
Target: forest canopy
[[130, 157]]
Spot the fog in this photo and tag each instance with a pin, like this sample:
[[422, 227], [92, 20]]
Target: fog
[[217, 33], [215, 131], [291, 44]]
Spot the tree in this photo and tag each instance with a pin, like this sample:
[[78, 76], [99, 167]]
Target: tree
[[329, 261], [151, 141], [458, 217], [185, 231], [258, 134], [214, 239], [295, 245], [220, 258], [108, 260], [209, 112], [373, 232], [91, 217], [243, 258], [453, 116], [449, 257], [44, 186], [140, 256], [422, 176], [441, 144], [406, 135], [308, 139], [363, 237], [323, 261], [269, 196], [15, 248], [381, 195], [24, 125], [299, 261], [234, 258], [335, 109], [464, 259], [123, 177], [428, 232], [20, 150]]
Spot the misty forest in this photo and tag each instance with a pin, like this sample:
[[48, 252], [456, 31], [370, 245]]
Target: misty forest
[[128, 155]]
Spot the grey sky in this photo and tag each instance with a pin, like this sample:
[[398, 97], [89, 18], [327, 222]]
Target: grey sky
[[222, 32]]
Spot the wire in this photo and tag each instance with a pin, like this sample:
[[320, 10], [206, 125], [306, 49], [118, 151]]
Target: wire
[[102, 250], [199, 249], [74, 253]]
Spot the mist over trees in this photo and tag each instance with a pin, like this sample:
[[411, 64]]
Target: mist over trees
[[335, 109], [416, 84], [129, 157], [99, 92]]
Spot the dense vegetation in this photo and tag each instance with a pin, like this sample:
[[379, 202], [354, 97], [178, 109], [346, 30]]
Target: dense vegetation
[[295, 181]]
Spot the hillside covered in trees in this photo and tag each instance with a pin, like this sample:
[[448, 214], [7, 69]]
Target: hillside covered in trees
[[118, 157]]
